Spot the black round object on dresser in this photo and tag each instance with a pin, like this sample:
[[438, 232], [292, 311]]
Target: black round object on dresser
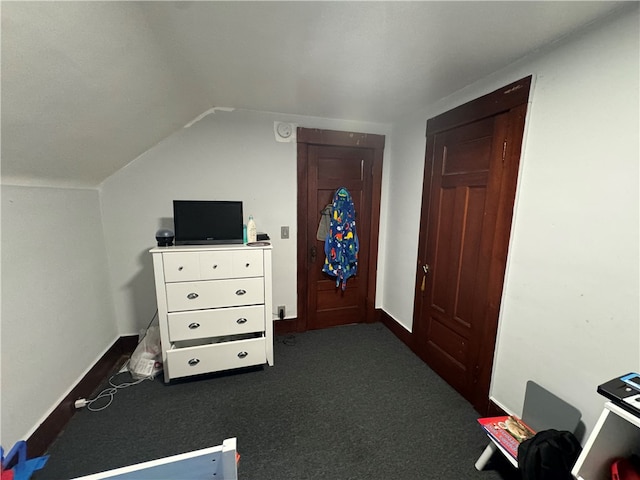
[[164, 237]]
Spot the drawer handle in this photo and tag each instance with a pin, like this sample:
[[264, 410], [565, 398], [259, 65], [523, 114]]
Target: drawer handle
[[192, 296], [194, 361], [194, 325], [242, 354], [240, 292], [215, 266], [180, 268], [241, 321], [247, 265]]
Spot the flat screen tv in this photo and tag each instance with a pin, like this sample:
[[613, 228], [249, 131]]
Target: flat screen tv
[[207, 222]]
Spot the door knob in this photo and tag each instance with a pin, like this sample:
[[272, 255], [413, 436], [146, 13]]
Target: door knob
[[425, 269]]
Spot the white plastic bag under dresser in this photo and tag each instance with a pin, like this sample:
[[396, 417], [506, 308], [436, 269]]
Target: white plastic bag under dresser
[[214, 307]]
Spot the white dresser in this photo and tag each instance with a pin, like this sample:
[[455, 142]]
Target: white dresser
[[214, 307]]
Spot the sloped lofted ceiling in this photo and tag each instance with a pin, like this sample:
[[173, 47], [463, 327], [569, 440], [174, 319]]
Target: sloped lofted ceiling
[[89, 86]]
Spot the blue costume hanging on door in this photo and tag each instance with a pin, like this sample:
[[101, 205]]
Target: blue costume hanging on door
[[341, 243]]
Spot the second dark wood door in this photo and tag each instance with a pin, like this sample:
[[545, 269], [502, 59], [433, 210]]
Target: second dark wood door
[[470, 178]]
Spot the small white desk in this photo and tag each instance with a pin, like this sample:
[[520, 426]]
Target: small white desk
[[488, 452], [217, 462], [616, 434]]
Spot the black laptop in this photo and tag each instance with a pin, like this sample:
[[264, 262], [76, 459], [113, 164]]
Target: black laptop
[[624, 392]]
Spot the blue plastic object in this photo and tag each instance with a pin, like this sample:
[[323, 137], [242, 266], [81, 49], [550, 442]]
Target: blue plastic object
[[22, 468]]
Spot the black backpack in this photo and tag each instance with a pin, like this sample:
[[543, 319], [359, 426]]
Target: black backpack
[[548, 455]]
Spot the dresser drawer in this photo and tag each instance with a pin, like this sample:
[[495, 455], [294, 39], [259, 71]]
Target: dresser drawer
[[212, 265], [181, 266], [247, 263], [215, 264], [215, 323], [214, 293], [219, 356]]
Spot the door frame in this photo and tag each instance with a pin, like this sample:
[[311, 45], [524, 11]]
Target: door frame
[[310, 136], [511, 98]]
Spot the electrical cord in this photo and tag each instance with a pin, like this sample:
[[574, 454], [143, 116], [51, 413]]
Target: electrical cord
[[113, 388], [110, 392], [155, 315]]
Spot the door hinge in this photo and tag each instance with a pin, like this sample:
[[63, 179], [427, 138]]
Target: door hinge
[[476, 373], [504, 150]]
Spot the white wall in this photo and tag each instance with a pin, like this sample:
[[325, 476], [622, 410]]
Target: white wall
[[572, 287], [570, 315], [224, 156], [399, 259], [57, 312]]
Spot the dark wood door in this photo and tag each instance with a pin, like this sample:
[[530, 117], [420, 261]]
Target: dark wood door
[[326, 163], [470, 178], [329, 169]]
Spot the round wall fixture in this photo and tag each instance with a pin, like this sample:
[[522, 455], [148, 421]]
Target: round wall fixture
[[284, 129], [284, 132]]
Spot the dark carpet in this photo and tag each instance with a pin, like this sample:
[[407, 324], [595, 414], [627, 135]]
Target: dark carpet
[[346, 403]]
